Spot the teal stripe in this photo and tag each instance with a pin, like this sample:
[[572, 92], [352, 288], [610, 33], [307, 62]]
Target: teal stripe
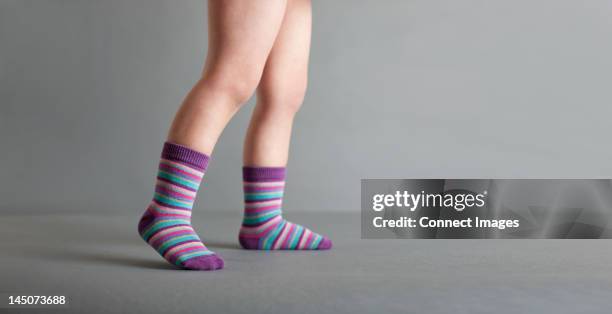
[[170, 201], [187, 256], [298, 232], [262, 218], [178, 180], [315, 243], [273, 235], [183, 238], [253, 214], [260, 196], [169, 222], [175, 170]]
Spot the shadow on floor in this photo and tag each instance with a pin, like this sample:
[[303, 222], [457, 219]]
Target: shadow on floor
[[121, 260], [74, 255], [93, 258], [86, 243], [222, 245]]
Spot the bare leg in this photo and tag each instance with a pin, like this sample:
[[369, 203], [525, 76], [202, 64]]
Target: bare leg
[[281, 90], [241, 35], [279, 96]]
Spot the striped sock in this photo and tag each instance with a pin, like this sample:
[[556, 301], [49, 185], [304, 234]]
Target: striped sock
[[263, 227], [166, 223]]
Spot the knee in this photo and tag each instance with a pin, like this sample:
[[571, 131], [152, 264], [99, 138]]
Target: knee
[[295, 98], [239, 87], [286, 97]]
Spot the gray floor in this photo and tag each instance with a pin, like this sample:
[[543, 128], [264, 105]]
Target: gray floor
[[103, 267]]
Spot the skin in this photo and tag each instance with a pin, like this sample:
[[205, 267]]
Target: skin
[[258, 45], [281, 90]]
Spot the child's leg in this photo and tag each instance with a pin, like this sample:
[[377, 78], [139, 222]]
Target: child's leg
[[281, 90], [279, 96], [241, 35]]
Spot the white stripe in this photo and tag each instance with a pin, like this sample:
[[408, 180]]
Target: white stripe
[[258, 229], [182, 246], [168, 210], [184, 168], [175, 188], [282, 236], [167, 231], [305, 236], [263, 204]]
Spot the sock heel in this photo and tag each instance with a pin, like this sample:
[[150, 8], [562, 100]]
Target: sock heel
[[249, 244], [145, 221]]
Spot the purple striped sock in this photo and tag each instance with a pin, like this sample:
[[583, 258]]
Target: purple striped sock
[[263, 227], [166, 223]]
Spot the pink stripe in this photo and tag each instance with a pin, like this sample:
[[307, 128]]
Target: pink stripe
[[164, 232], [297, 245], [309, 241], [261, 233], [286, 242], [173, 187], [165, 237], [182, 246], [279, 237], [162, 207], [183, 167], [174, 215], [303, 237], [261, 209], [255, 229], [268, 229], [154, 208], [181, 252], [252, 204], [263, 184], [271, 183], [173, 169], [260, 189], [174, 194]]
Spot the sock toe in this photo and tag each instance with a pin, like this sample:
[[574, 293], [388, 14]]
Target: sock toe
[[207, 262], [325, 244]]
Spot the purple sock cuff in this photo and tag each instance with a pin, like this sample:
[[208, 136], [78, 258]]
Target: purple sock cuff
[[176, 152], [262, 174]]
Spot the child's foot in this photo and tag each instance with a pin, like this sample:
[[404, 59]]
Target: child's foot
[[176, 241], [280, 234], [263, 227], [166, 224]]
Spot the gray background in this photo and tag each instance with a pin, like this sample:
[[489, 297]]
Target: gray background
[[425, 89], [399, 89]]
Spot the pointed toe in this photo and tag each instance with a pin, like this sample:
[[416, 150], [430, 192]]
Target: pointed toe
[[325, 244], [207, 262]]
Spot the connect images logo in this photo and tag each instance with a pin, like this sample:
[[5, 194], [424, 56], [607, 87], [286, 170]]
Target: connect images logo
[[486, 208]]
